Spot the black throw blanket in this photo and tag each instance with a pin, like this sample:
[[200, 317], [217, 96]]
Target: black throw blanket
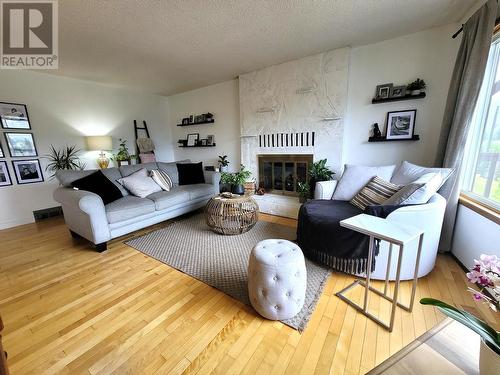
[[322, 239]]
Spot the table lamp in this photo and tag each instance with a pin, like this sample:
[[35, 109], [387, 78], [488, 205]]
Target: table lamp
[[100, 143]]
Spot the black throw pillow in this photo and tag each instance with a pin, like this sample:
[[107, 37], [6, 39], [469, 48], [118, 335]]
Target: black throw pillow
[[99, 184], [190, 173]]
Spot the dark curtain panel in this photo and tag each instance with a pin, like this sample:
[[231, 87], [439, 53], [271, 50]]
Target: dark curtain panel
[[462, 96]]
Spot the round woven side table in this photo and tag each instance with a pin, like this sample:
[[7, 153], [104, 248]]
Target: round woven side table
[[234, 215]]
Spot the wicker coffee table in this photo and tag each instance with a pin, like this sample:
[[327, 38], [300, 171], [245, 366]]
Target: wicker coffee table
[[231, 215]]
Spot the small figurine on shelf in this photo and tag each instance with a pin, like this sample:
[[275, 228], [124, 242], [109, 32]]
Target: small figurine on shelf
[[376, 131]]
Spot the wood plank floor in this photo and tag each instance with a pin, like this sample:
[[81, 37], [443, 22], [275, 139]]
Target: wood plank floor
[[68, 309]]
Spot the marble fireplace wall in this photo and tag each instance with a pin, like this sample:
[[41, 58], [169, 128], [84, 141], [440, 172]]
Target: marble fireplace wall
[[300, 96]]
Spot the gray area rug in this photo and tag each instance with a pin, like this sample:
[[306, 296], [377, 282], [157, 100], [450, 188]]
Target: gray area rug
[[221, 261]]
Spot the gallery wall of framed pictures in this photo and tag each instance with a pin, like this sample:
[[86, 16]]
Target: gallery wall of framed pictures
[[18, 144]]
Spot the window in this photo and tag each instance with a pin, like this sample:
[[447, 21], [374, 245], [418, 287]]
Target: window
[[481, 175]]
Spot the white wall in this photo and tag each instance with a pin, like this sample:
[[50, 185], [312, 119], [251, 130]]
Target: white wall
[[62, 112], [474, 235], [223, 101], [429, 55]]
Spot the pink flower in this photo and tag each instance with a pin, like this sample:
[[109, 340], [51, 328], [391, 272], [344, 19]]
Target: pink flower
[[484, 281], [478, 296], [474, 276], [491, 262]]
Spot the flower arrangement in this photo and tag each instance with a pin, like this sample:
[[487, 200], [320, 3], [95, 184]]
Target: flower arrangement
[[486, 275]]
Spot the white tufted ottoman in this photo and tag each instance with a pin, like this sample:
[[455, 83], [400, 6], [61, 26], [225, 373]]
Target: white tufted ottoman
[[277, 279]]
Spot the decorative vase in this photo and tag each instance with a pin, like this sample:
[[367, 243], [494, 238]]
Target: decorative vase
[[489, 360], [102, 161], [415, 92], [238, 189], [223, 168]]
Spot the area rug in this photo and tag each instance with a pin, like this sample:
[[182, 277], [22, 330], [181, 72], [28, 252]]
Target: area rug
[[221, 261]]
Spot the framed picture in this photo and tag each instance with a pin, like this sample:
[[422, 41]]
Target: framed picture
[[401, 124], [210, 140], [383, 91], [21, 144], [185, 121], [192, 139], [397, 91], [2, 155], [199, 118], [14, 116], [4, 174], [27, 171], [203, 142]]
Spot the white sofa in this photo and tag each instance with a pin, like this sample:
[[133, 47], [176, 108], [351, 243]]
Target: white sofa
[[428, 217]]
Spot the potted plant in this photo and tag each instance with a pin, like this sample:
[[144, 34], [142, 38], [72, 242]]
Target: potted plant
[[236, 180], [67, 158], [486, 275], [122, 154], [223, 163], [304, 190], [416, 87], [318, 172]]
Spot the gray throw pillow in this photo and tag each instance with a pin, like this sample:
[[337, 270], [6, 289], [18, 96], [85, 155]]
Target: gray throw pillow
[[408, 173], [403, 194], [140, 184], [355, 177]]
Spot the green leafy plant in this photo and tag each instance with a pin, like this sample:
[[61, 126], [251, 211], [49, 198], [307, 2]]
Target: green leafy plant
[[486, 275], [122, 153], [304, 190], [223, 162], [227, 178], [242, 176], [320, 172], [418, 84], [67, 158]]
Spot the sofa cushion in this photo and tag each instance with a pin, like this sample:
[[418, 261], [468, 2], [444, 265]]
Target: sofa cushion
[[197, 190], [99, 184], [355, 177], [171, 169], [166, 199], [66, 176], [140, 184], [408, 173], [127, 208], [430, 183], [190, 173], [127, 170], [376, 191], [114, 175]]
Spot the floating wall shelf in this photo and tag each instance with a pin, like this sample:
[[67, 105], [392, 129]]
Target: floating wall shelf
[[198, 146], [406, 97], [198, 123], [373, 139]]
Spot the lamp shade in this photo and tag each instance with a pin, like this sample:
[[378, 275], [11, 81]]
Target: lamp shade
[[99, 143]]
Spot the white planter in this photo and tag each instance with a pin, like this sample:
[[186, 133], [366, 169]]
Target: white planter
[[415, 92], [489, 361], [224, 169]]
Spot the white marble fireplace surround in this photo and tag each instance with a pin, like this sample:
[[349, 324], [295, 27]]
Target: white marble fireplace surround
[[301, 96]]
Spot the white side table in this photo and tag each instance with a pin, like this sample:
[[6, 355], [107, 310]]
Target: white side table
[[396, 234]]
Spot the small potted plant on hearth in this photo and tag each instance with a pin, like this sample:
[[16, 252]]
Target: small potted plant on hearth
[[486, 275], [236, 180], [303, 190], [416, 87]]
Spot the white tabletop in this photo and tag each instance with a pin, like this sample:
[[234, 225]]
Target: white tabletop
[[383, 229]]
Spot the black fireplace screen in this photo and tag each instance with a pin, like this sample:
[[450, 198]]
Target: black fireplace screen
[[280, 174]]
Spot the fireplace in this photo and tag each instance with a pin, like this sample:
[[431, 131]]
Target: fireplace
[[280, 174]]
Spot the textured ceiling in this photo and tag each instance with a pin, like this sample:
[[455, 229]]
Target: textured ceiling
[[172, 46]]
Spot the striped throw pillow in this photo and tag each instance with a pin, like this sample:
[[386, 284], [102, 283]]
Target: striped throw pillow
[[162, 179], [377, 191]]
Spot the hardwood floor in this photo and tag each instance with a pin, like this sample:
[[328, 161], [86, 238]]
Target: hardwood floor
[[68, 309]]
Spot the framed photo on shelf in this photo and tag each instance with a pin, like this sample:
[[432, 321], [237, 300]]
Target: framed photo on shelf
[[14, 116], [397, 91], [27, 171], [383, 91], [20, 144], [2, 155], [192, 139], [4, 174], [401, 124], [210, 140]]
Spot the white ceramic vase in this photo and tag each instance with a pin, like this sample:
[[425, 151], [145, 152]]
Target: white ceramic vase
[[489, 361], [224, 169], [415, 92]]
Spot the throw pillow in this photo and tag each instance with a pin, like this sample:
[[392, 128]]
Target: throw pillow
[[408, 173], [430, 185], [375, 192], [140, 184], [99, 184], [403, 194], [355, 177], [162, 179], [190, 173]]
